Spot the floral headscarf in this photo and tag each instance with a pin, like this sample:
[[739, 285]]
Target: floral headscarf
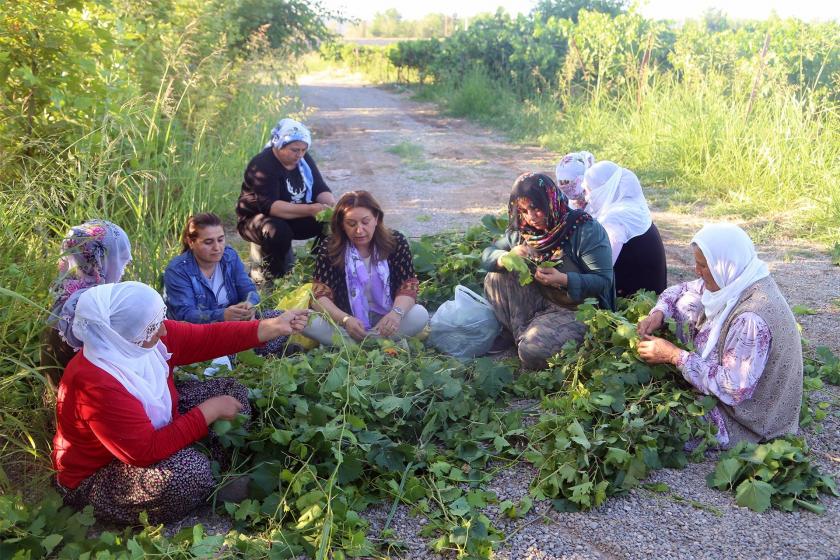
[[93, 253], [569, 173], [560, 220]]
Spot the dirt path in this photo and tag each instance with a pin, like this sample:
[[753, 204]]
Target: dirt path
[[433, 173]]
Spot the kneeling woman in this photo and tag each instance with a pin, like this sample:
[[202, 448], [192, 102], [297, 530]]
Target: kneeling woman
[[124, 430], [207, 282], [364, 276], [749, 351], [542, 228]]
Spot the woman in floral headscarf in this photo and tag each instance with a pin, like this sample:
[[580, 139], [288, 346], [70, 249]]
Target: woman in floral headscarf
[[569, 172], [540, 317], [748, 351], [282, 192], [93, 253]]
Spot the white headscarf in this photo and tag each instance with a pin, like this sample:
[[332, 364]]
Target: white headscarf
[[616, 200], [569, 173], [112, 321], [735, 266]]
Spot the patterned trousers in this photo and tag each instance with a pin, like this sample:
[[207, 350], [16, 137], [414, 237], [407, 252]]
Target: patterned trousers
[[169, 489], [539, 327]]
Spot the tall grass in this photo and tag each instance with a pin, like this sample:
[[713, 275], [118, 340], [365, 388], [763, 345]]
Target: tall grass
[[146, 166]]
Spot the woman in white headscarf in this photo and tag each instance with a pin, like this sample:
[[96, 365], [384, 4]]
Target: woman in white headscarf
[[282, 192], [614, 197], [748, 349], [569, 172], [95, 252], [124, 430]]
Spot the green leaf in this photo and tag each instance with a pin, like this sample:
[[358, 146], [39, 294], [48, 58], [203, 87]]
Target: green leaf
[[515, 263], [754, 494], [336, 379], [725, 474], [50, 542]]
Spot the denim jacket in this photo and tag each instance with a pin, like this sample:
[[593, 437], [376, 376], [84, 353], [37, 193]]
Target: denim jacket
[[188, 294]]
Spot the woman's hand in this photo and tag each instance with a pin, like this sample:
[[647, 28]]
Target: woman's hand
[[524, 250], [291, 321], [224, 407], [651, 323], [551, 277], [243, 311], [388, 324], [656, 350], [354, 328]]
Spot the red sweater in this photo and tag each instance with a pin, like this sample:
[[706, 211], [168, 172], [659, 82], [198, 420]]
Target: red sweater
[[98, 420]]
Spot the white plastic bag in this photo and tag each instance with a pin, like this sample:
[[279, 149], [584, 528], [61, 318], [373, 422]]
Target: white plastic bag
[[464, 327]]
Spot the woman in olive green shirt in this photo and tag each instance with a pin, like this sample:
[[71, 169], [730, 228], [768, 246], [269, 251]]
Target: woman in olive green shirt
[[540, 316]]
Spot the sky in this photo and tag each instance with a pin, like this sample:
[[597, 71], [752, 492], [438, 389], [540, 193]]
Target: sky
[[659, 9]]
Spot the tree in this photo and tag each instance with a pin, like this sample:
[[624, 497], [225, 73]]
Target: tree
[[568, 9]]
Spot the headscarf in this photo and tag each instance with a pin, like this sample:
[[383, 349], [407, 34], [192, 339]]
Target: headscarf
[[113, 321], [358, 279], [571, 168], [616, 200], [560, 220], [734, 265], [95, 252], [286, 132]]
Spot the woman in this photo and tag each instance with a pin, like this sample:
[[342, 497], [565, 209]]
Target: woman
[[281, 194], [614, 197], [124, 431], [569, 173], [748, 349], [95, 252], [364, 276], [207, 282], [541, 317]]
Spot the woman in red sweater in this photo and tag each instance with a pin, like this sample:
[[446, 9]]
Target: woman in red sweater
[[124, 431]]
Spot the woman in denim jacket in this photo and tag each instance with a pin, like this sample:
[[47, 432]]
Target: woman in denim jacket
[[208, 283]]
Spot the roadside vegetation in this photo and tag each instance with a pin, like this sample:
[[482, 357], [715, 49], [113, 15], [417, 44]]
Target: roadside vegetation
[[734, 118]]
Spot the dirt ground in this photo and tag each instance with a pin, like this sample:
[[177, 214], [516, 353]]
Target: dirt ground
[[432, 173]]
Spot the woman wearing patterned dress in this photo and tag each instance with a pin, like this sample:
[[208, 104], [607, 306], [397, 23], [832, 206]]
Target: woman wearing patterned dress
[[364, 276], [748, 349], [124, 431]]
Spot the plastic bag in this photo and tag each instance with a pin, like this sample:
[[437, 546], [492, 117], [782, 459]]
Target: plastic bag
[[299, 299], [464, 327]]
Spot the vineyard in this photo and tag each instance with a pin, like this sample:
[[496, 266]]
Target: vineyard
[[143, 115]]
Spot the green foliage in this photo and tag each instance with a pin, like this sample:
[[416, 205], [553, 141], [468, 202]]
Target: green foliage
[[608, 417], [516, 263], [442, 262], [777, 474]]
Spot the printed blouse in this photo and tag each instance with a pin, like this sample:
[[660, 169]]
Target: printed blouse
[[745, 350]]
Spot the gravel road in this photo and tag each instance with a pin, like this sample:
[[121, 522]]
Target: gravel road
[[432, 173]]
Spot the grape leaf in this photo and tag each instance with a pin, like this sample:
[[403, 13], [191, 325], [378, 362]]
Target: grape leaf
[[515, 263]]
